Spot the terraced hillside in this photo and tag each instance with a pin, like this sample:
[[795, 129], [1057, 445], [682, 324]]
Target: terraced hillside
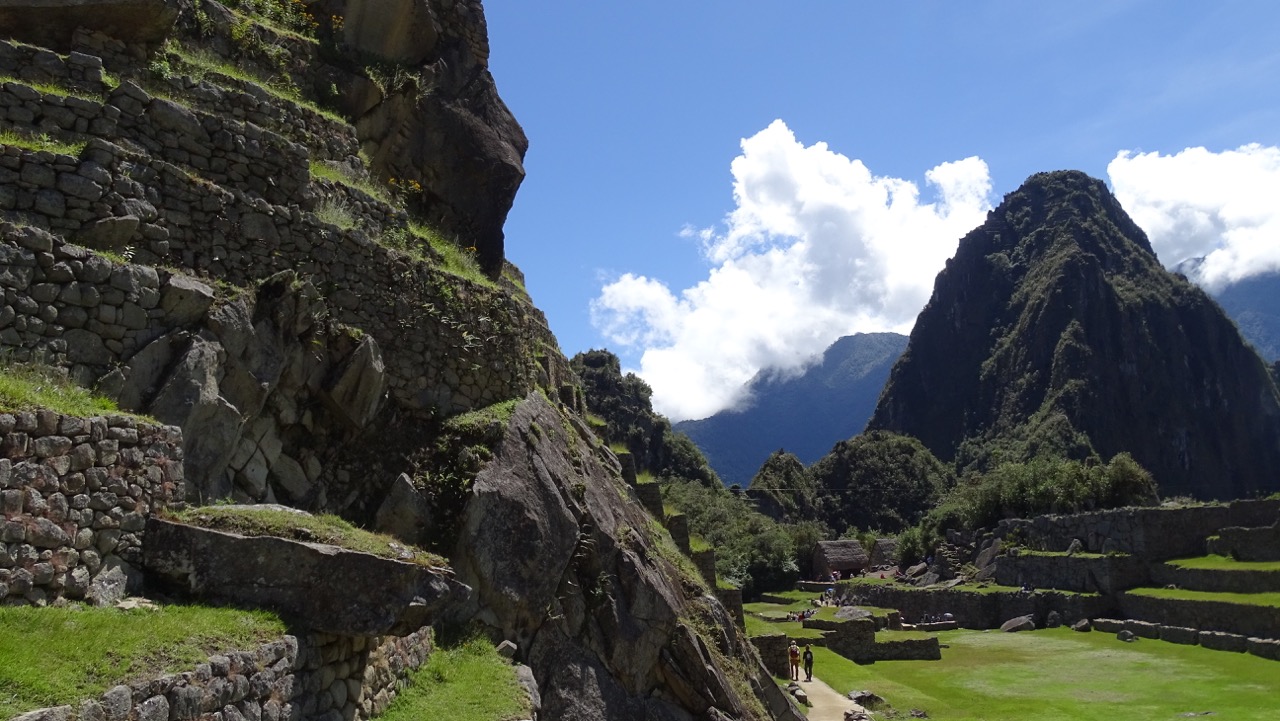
[[276, 228]]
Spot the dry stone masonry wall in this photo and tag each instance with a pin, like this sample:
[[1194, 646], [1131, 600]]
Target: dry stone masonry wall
[[310, 677], [75, 494], [1149, 533], [443, 350]]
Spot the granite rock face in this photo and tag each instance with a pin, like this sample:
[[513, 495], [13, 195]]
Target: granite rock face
[[444, 127], [608, 625]]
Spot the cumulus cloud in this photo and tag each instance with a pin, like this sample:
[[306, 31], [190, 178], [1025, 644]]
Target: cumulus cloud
[[817, 247], [1199, 204]]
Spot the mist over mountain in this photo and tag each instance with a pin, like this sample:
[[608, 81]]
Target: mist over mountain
[[1055, 331], [805, 414]]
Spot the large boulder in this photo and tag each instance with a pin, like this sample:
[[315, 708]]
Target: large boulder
[[1019, 623], [323, 587]]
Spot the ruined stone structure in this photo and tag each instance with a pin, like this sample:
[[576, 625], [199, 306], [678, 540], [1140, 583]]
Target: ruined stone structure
[[228, 258]]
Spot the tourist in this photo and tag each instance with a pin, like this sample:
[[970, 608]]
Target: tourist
[[793, 654], [808, 662]]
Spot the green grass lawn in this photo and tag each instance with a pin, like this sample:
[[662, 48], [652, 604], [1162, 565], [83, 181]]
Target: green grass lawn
[[466, 681], [1061, 675], [1223, 563], [1252, 599], [757, 626], [52, 656]]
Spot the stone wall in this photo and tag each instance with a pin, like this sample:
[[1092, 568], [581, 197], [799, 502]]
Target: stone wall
[[705, 560], [1149, 533], [241, 214], [974, 609], [773, 652], [79, 71], [731, 599], [75, 494], [1248, 544], [1237, 618], [313, 677], [1218, 580], [678, 526], [1083, 574]]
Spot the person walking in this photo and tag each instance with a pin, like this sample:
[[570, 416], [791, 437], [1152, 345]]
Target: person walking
[[808, 662], [793, 655]]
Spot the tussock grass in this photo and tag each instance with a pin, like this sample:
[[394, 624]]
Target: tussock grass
[[336, 212], [321, 169], [25, 386], [258, 521], [53, 656], [457, 260], [1060, 675], [462, 681], [205, 65], [40, 142]]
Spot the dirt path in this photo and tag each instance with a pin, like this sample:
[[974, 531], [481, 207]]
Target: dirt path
[[826, 703]]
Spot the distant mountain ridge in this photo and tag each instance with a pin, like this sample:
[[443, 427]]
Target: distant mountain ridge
[[1254, 304], [805, 414], [1054, 329]]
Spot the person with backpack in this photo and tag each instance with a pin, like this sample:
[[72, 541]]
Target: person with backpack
[[808, 662], [793, 654]]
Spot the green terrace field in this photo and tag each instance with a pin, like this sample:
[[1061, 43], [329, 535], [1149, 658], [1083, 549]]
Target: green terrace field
[[1061, 675], [1223, 563], [761, 615], [51, 656], [1252, 599]]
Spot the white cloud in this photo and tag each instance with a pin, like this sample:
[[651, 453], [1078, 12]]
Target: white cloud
[[816, 248], [1220, 206]]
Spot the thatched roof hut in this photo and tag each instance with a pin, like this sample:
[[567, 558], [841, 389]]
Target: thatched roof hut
[[847, 557]]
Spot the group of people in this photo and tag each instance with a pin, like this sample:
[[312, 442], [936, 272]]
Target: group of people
[[795, 657], [801, 615], [936, 618]]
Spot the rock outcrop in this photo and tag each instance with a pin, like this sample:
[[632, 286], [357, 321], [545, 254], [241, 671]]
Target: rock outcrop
[[1054, 329], [611, 619]]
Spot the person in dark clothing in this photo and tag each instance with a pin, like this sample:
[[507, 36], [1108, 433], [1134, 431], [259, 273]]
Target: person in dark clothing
[[808, 662]]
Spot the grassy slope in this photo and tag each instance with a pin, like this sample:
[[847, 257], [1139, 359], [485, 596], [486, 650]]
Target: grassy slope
[[51, 656], [468, 682], [1060, 675]]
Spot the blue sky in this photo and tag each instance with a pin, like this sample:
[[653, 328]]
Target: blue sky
[[719, 188]]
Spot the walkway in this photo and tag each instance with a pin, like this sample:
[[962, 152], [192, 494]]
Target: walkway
[[826, 703]]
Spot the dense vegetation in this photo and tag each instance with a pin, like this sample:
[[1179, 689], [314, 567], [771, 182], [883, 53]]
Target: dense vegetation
[[877, 480], [623, 401], [1051, 334], [1023, 489], [753, 551]]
